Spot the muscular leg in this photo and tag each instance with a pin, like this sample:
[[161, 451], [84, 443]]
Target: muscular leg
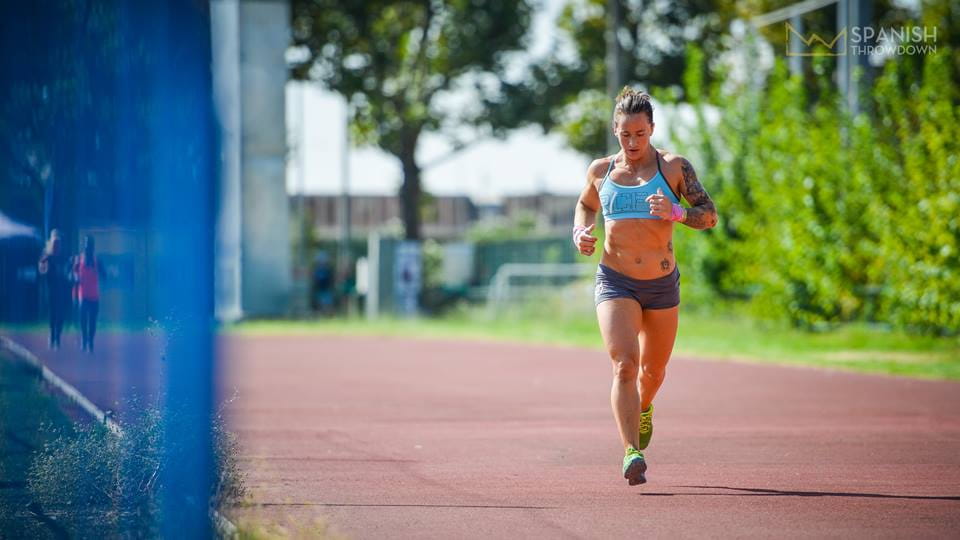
[[620, 321], [656, 341]]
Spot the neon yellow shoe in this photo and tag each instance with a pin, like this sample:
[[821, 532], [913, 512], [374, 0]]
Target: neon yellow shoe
[[646, 428], [634, 467]]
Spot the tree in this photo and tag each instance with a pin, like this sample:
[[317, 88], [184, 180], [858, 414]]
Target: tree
[[393, 60], [566, 90], [39, 103], [71, 115]]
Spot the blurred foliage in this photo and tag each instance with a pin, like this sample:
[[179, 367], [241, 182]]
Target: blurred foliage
[[821, 20], [70, 103], [523, 224], [394, 61], [566, 89], [432, 252], [827, 218], [95, 484], [435, 298], [25, 409], [881, 13], [65, 478]]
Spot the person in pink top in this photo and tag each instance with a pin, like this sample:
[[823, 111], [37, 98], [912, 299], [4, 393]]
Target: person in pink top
[[87, 272]]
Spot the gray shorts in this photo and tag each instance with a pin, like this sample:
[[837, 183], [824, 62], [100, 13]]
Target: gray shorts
[[658, 293]]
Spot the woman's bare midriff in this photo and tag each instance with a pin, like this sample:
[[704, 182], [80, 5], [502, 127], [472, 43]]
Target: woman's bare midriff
[[639, 248]]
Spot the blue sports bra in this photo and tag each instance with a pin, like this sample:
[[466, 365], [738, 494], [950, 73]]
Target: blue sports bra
[[630, 202]]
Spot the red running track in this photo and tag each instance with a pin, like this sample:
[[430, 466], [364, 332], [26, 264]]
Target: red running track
[[424, 439]]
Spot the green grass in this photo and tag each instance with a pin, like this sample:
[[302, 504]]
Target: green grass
[[28, 414], [854, 347], [254, 526], [82, 479], [723, 336]]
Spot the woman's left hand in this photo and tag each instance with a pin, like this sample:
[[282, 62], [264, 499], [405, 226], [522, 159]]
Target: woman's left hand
[[660, 205]]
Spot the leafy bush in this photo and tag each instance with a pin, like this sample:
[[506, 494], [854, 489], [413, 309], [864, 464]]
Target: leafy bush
[[825, 217]]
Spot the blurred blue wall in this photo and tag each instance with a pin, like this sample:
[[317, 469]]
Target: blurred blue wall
[[107, 128]]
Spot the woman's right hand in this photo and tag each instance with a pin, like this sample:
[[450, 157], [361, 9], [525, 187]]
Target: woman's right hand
[[583, 240]]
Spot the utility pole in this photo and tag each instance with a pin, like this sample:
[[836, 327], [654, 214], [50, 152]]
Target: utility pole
[[344, 258], [796, 61], [302, 261], [844, 71], [614, 62]]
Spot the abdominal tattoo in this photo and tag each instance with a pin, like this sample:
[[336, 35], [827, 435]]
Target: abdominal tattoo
[[665, 265], [638, 260], [670, 246]]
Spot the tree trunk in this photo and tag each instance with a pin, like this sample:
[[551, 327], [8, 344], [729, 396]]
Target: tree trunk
[[410, 190]]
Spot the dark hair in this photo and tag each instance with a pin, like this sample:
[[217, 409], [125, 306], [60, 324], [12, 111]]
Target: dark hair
[[630, 101]]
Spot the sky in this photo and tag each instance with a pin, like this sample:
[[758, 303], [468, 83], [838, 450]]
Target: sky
[[526, 162]]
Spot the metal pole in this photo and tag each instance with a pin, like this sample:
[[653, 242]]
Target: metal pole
[[843, 62], [853, 19], [796, 61], [345, 196], [614, 64], [860, 15], [302, 183]]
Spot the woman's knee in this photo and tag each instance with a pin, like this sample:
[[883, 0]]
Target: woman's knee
[[655, 374], [626, 367]]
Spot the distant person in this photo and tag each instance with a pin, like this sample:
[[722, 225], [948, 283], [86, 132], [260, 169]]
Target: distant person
[[348, 285], [321, 285], [637, 295], [53, 265], [87, 272]]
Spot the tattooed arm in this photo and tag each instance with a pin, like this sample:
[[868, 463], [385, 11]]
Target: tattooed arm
[[702, 213]]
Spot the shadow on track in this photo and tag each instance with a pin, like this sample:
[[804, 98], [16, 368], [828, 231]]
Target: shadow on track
[[759, 492]]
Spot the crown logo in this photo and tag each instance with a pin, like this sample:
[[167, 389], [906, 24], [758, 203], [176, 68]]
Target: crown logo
[[814, 41]]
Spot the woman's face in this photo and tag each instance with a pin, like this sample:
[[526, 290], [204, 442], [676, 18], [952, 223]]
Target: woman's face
[[633, 131]]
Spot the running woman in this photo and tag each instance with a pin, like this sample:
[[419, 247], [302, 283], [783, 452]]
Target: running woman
[[638, 284]]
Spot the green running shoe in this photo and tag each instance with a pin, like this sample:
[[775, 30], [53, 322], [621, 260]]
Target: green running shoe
[[634, 467], [646, 428]]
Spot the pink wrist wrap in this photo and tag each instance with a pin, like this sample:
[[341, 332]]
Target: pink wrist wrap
[[677, 213], [577, 231]]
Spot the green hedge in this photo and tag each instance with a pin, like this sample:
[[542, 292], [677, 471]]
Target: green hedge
[[827, 218]]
